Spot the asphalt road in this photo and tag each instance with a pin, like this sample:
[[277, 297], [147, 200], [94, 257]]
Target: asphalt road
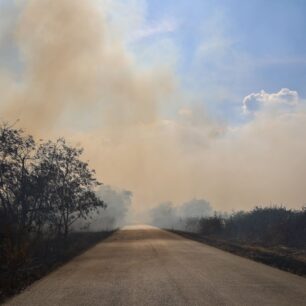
[[148, 266]]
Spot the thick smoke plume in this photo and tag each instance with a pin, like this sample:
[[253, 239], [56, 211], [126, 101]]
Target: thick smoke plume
[[76, 78], [73, 64]]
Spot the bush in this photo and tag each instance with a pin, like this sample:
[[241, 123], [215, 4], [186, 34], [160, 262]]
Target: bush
[[211, 226], [269, 226]]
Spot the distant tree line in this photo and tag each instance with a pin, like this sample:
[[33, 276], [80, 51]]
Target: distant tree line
[[267, 226], [45, 188]]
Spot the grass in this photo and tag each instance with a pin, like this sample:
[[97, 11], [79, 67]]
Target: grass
[[38, 265]]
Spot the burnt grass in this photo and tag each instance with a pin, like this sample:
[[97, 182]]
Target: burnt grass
[[40, 263], [284, 258]]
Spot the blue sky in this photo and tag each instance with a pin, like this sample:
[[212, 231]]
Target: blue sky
[[246, 46], [223, 50]]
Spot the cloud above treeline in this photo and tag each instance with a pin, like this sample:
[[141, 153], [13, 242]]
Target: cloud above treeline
[[284, 100]]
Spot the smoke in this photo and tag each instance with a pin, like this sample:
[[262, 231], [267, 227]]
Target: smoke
[[72, 64], [182, 217], [196, 208], [140, 129], [260, 162], [114, 216], [118, 205], [164, 215]]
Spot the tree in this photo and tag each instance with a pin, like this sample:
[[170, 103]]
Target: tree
[[16, 158], [67, 184], [16, 194], [45, 187]]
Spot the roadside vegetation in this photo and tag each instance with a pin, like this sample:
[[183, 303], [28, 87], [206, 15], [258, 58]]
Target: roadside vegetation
[[266, 226], [45, 189], [273, 235]]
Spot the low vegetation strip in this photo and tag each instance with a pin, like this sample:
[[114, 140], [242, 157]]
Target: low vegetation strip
[[274, 235], [288, 259], [38, 264]]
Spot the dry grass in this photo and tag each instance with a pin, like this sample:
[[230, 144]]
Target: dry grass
[[14, 278]]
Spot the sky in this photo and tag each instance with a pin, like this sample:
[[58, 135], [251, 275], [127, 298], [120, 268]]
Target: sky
[[233, 47], [172, 100]]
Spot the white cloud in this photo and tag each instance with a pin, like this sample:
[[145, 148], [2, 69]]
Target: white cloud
[[128, 18], [148, 30], [285, 99]]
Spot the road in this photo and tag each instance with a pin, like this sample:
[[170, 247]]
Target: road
[[148, 266]]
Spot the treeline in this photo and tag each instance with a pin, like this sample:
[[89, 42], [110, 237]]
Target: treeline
[[272, 235], [45, 188], [266, 226]]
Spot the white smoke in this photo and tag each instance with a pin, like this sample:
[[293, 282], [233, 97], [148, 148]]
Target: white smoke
[[166, 215]]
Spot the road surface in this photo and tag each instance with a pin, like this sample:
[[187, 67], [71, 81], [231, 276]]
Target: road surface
[[147, 266]]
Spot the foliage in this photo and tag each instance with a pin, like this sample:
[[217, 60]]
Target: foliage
[[44, 189], [267, 226]]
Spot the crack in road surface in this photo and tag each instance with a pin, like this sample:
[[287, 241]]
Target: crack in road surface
[[148, 266]]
